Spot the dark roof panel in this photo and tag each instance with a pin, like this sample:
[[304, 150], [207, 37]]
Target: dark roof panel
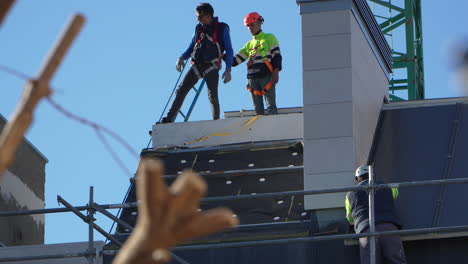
[[237, 170], [414, 144]]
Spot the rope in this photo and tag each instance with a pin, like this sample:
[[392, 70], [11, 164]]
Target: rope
[[170, 97]]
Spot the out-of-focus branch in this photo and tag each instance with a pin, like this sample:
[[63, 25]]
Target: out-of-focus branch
[[167, 216], [5, 6], [34, 91]]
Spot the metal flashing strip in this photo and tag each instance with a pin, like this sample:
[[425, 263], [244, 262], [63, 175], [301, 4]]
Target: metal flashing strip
[[371, 40], [375, 30], [424, 103], [245, 113], [429, 236], [231, 147]]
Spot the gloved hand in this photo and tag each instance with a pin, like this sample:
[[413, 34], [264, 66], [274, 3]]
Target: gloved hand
[[180, 64], [226, 76]]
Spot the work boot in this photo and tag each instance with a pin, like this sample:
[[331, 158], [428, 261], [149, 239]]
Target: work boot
[[272, 110]]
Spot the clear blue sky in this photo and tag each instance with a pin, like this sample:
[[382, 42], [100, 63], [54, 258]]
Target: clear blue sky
[[121, 71]]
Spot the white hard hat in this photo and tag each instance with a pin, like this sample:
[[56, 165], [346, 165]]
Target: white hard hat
[[361, 170]]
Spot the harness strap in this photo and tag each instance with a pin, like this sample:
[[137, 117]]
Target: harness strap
[[268, 64], [205, 72], [216, 62], [195, 70], [255, 92], [262, 92]]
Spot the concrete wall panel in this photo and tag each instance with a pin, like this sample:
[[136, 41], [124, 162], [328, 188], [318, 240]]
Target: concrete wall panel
[[327, 86], [331, 23], [327, 181], [328, 120], [328, 155], [326, 52], [52, 249]]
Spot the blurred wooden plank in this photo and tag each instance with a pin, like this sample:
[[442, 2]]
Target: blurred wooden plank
[[5, 6]]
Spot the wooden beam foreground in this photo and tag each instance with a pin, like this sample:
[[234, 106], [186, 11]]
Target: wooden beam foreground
[[5, 6]]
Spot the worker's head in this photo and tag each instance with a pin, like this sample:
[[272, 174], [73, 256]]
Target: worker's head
[[204, 12], [253, 21], [362, 173]]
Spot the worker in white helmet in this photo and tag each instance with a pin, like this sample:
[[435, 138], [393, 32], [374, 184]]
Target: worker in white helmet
[[389, 249]]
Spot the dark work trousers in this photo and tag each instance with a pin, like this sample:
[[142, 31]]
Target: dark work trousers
[[388, 249], [270, 96], [189, 81]]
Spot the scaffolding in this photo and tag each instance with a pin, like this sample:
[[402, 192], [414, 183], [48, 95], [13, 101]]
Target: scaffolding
[[91, 208], [402, 20]]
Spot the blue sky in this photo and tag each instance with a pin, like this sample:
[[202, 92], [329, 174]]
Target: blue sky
[[121, 71]]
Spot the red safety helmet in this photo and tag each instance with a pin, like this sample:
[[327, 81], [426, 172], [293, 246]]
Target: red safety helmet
[[252, 17]]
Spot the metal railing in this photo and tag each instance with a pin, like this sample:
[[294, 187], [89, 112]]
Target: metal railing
[[92, 208]]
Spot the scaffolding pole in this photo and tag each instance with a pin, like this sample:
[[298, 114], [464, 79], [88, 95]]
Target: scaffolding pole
[[319, 238], [371, 215], [86, 220], [249, 196], [265, 242], [113, 217], [42, 257], [91, 226]]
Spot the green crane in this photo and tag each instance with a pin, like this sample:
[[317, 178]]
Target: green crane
[[402, 20]]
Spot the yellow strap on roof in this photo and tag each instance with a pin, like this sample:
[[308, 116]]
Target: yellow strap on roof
[[220, 134], [251, 120]]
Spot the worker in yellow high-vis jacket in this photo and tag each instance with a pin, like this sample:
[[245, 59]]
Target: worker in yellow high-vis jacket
[[263, 66]]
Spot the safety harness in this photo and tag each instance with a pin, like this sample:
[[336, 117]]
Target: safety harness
[[216, 62], [269, 66]]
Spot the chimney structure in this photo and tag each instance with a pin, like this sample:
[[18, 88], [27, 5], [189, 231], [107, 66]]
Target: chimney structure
[[346, 68]]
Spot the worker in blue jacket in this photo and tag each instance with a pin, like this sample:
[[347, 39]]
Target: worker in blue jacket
[[389, 249], [210, 41]]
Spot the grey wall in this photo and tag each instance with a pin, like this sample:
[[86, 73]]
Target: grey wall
[[52, 249], [344, 84], [369, 86], [229, 131], [22, 188]]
